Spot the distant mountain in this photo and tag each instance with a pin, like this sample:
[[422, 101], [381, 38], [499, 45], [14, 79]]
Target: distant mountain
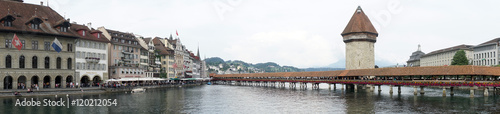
[[239, 66]]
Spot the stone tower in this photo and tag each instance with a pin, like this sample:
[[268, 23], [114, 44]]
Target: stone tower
[[359, 37]]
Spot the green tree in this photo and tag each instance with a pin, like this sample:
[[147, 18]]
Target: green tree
[[460, 58]]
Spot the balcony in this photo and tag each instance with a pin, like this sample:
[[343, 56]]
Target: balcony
[[126, 59], [92, 59], [128, 52]]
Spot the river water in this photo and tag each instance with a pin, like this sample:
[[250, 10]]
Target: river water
[[228, 99]]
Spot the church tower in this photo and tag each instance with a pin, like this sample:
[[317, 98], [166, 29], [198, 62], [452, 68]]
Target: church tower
[[359, 37]]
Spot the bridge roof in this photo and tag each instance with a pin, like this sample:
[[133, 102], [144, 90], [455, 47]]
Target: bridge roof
[[402, 71]]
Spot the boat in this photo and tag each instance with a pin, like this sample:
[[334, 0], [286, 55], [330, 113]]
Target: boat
[[137, 90]]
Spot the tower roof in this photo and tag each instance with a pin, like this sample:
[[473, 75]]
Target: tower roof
[[359, 23]]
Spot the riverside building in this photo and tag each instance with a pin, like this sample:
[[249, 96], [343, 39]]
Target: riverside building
[[36, 62], [91, 56], [486, 54], [443, 57], [123, 55]]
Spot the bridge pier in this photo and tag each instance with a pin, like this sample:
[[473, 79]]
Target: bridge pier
[[355, 87], [451, 91], [444, 91], [315, 85], [334, 86], [486, 94], [422, 90], [399, 89], [341, 86], [379, 89], [472, 91], [390, 90], [329, 86], [292, 84], [414, 90], [371, 88]]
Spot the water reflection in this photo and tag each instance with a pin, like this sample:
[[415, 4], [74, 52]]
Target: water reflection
[[249, 99]]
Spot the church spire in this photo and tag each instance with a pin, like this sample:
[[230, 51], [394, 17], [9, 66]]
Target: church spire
[[198, 51]]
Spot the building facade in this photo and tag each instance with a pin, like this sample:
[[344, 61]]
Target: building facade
[[444, 57], [486, 54], [91, 56], [123, 55], [414, 60], [36, 63], [359, 37]]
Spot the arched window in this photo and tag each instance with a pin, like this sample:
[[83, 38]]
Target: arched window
[[8, 61], [58, 63], [21, 61], [70, 63], [47, 62], [34, 62]]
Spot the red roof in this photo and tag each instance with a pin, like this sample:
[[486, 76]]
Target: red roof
[[23, 14], [359, 23], [401, 71]]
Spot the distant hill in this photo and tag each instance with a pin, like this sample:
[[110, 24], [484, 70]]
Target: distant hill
[[244, 67]]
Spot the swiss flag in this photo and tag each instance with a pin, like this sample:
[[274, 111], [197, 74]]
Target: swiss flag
[[176, 32], [17, 43]]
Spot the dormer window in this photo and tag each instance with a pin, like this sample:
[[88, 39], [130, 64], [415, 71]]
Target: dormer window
[[65, 29], [63, 25], [35, 23], [7, 23], [83, 32], [7, 20], [98, 35]]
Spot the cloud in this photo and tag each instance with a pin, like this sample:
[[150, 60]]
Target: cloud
[[295, 48]]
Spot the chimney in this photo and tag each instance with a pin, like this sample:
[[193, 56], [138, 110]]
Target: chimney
[[89, 25], [41, 3]]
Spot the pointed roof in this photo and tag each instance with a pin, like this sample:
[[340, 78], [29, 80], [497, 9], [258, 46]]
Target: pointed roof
[[359, 23]]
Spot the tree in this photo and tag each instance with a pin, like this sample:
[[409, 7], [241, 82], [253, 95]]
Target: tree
[[460, 58]]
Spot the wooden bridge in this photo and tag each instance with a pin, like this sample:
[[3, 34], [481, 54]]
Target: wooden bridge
[[442, 76]]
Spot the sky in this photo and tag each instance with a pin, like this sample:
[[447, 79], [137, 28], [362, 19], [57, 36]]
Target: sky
[[300, 33]]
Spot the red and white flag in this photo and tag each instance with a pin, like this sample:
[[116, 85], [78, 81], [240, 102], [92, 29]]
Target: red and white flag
[[17, 43], [176, 32]]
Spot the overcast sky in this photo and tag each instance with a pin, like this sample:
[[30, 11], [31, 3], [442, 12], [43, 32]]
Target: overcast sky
[[301, 33]]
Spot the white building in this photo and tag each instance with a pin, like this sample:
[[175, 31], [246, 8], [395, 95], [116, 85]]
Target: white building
[[486, 54], [444, 57], [91, 56]]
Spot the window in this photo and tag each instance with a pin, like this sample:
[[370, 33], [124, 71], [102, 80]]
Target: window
[[34, 62], [83, 32], [70, 63], [77, 65], [8, 61], [70, 47], [88, 66], [88, 44], [34, 45], [83, 44], [93, 45], [35, 26], [84, 55], [7, 23], [21, 61], [46, 46], [47, 62], [58, 63], [65, 29], [8, 43], [22, 42]]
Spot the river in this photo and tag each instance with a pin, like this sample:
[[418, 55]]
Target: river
[[228, 99]]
